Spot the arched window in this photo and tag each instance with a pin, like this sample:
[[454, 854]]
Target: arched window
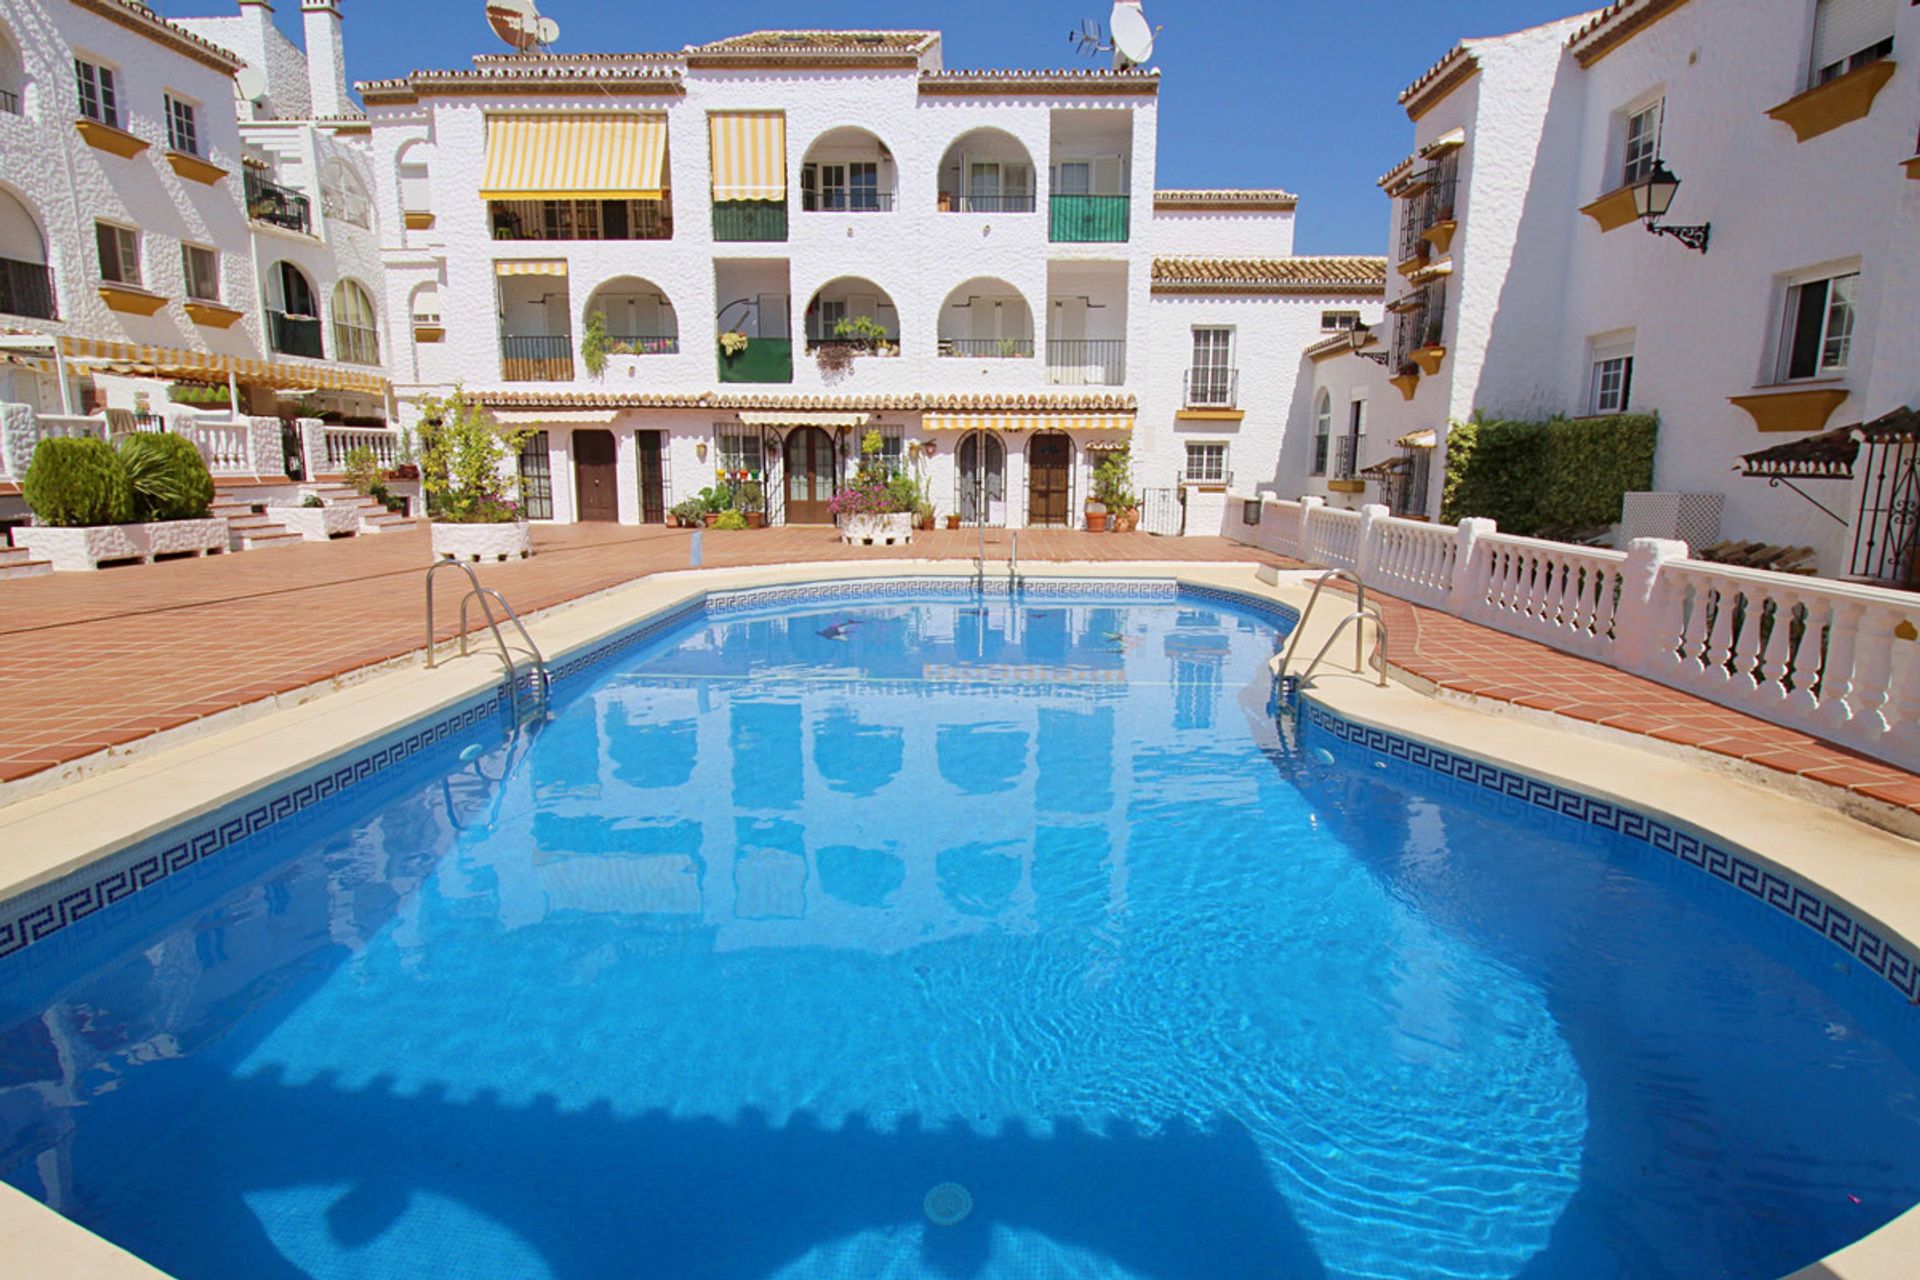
[[293, 313], [1322, 432], [986, 318], [639, 319], [26, 282], [13, 75], [356, 335], [986, 171], [343, 195]]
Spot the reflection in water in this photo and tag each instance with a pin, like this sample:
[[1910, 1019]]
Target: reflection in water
[[766, 934]]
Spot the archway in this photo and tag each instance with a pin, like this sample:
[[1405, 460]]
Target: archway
[[26, 282], [982, 479], [847, 170], [640, 319], [986, 171], [293, 313], [849, 299], [986, 318]]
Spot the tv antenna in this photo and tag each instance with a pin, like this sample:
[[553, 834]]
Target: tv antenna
[[519, 24], [1131, 42]]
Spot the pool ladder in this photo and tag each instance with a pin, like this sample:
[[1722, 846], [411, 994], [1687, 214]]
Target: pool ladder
[[538, 681], [1013, 565], [1362, 612]]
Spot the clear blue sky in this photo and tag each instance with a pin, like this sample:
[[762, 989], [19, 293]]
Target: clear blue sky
[[1291, 93]]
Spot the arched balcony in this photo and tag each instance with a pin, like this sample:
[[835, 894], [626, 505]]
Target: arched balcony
[[640, 319], [986, 319], [26, 281], [834, 313], [848, 170], [986, 171]]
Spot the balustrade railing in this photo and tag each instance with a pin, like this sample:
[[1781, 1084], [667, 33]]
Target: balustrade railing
[[1414, 560], [1332, 537], [1087, 362], [1555, 592], [226, 446], [648, 344], [278, 206], [340, 441], [987, 348]]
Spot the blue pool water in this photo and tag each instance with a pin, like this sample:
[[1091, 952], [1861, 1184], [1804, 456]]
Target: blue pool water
[[790, 916]]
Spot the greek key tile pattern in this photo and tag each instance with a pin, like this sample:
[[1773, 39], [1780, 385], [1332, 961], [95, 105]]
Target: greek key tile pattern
[[1833, 922]]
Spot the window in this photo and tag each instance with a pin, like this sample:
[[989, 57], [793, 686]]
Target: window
[[1817, 336], [851, 185], [1353, 446], [1210, 380], [1849, 34], [182, 133], [1642, 143], [426, 305], [1339, 321], [343, 195], [119, 253], [1612, 380], [738, 448], [536, 478], [1207, 462], [1322, 432], [830, 312], [201, 266], [98, 99], [356, 333]]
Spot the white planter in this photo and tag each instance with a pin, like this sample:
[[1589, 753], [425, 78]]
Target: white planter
[[92, 545], [482, 541], [317, 524], [877, 531]]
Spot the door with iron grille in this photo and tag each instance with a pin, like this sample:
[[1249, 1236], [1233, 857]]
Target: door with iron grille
[[596, 483], [1886, 539], [536, 478], [653, 487], [1049, 478]]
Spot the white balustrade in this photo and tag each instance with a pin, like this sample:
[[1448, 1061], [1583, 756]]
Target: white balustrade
[[1413, 560], [71, 426], [1554, 592], [1332, 537], [1278, 530], [226, 446], [340, 441]]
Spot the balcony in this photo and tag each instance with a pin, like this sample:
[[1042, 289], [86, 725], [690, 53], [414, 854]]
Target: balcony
[[581, 219], [26, 289], [644, 344], [750, 220], [294, 335], [1012, 202], [356, 344], [764, 360], [537, 358], [278, 206], [1086, 362], [847, 200], [1211, 387], [1088, 219], [987, 348]]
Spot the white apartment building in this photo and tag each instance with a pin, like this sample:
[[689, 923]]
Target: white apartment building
[[1780, 360], [1041, 303], [184, 204]]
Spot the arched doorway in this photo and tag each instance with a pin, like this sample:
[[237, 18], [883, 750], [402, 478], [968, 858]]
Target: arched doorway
[[811, 475], [596, 477], [1049, 479], [983, 479]]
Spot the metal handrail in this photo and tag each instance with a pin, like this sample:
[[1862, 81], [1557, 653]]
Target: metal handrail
[[1293, 641], [1359, 662], [531, 651], [1013, 566]]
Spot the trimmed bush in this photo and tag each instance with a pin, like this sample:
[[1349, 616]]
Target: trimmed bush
[[1536, 477], [75, 483], [170, 479]]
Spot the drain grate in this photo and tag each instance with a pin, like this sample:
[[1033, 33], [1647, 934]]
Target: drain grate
[[948, 1204]]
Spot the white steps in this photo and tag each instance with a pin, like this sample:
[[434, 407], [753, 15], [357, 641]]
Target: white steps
[[247, 530], [374, 518], [18, 562]]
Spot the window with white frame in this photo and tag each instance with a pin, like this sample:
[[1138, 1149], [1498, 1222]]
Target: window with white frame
[[738, 448], [841, 185], [1210, 380], [1322, 432], [201, 267], [1816, 335], [183, 130], [119, 249], [1849, 34], [1641, 145], [1206, 462], [1339, 321], [343, 195], [99, 99], [1611, 387], [1352, 445]]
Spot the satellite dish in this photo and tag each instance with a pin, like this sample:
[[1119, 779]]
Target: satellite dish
[[1132, 37], [251, 81], [519, 24]]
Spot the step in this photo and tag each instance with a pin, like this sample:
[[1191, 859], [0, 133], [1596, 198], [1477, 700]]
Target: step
[[253, 522], [382, 523], [263, 540], [24, 568], [14, 555]]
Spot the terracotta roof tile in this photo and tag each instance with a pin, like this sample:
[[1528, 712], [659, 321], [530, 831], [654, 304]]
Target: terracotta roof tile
[[1616, 24], [138, 17], [1342, 274], [816, 41], [1224, 198], [1111, 402]]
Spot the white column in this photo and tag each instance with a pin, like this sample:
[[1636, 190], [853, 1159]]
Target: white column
[[326, 58], [1466, 563], [1638, 624]]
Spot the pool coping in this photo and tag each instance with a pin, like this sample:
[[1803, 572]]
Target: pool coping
[[52, 836]]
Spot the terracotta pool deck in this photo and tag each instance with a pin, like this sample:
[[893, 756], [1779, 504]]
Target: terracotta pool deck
[[92, 662]]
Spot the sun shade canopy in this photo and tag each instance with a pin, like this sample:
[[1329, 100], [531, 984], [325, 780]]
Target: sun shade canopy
[[1029, 422], [575, 157], [749, 155]]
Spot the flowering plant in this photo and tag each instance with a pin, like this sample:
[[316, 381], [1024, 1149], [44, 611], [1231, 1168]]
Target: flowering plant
[[867, 498], [733, 342]]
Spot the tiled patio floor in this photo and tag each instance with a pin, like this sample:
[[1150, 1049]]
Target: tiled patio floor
[[96, 660]]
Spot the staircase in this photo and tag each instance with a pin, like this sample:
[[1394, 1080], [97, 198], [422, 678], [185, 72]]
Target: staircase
[[248, 530], [17, 562], [374, 518]]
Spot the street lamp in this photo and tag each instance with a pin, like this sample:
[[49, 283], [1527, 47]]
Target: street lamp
[[1360, 336], [1653, 196]]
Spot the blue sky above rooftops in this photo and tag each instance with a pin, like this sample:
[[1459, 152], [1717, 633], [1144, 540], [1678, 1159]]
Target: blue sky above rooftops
[[1290, 93]]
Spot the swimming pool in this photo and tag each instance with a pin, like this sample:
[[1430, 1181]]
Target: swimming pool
[[814, 917]]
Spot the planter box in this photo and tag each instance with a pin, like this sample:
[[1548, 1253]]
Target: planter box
[[318, 524], [93, 545], [877, 531], [482, 541]]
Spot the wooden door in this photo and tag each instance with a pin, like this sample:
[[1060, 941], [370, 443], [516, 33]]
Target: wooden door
[[596, 483], [810, 476], [1049, 476], [653, 489]]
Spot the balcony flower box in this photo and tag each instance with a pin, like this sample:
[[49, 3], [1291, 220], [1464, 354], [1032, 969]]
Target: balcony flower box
[[90, 546], [895, 528], [511, 540]]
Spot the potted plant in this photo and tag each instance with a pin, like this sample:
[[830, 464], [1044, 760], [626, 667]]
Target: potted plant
[[953, 519], [92, 503], [732, 343], [712, 502], [751, 501], [871, 514], [467, 472], [595, 344], [1096, 516], [688, 513], [1113, 489], [925, 513]]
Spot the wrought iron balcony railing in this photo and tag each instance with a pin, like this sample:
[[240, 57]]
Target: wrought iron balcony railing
[[26, 289], [278, 206], [1212, 387], [536, 358], [1086, 362]]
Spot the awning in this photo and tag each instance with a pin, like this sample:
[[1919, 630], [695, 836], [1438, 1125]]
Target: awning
[[1426, 439], [530, 267], [172, 362], [1028, 422], [555, 417], [575, 157], [1392, 466], [802, 418], [1831, 454], [1452, 140], [749, 155]]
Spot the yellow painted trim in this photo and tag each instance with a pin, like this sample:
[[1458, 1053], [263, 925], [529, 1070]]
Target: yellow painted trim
[[429, 333], [417, 221], [1614, 209], [195, 169], [1428, 358], [1912, 167], [1346, 486], [1414, 265], [1804, 410], [1211, 415], [212, 314], [1839, 101], [130, 299], [104, 137], [1440, 235], [1407, 384]]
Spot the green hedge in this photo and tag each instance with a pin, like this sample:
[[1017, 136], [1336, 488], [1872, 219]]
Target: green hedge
[[1533, 477], [170, 479], [72, 483]]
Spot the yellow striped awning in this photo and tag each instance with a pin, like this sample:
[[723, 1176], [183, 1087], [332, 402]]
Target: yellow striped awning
[[530, 267], [575, 157], [749, 155], [173, 362], [1028, 422]]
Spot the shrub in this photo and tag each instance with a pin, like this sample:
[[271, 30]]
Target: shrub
[[594, 344], [867, 498], [363, 469], [689, 511], [312, 500], [466, 462], [1113, 481], [169, 478], [1562, 473], [749, 496], [730, 520], [73, 483], [712, 499]]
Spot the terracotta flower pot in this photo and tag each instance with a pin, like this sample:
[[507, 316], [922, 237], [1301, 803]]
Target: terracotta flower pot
[[1096, 522], [756, 519], [713, 518], [953, 521]]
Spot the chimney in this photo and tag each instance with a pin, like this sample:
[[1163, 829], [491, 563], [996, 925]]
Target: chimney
[[326, 58]]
